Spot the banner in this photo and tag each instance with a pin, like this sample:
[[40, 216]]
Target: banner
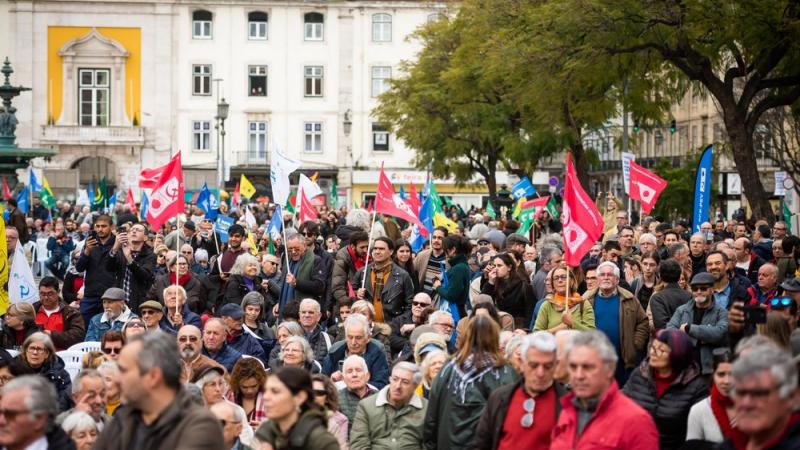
[[148, 178], [130, 202], [306, 208], [221, 226], [702, 189], [626, 170], [309, 188], [22, 200], [166, 200], [275, 224], [390, 204], [523, 188], [279, 170], [21, 285], [46, 195], [33, 183], [533, 208], [780, 190], [246, 188], [204, 203], [6, 190], [583, 223], [646, 186]]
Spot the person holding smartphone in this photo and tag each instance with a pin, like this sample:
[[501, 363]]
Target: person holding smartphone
[[94, 260]]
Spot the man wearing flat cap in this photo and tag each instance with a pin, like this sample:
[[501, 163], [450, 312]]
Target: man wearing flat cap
[[703, 320], [114, 316]]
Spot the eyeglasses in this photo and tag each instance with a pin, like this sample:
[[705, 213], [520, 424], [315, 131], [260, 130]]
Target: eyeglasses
[[11, 414], [36, 350], [780, 303], [110, 350], [188, 339], [699, 288], [756, 394], [529, 406], [421, 304], [320, 392], [135, 325], [559, 278]]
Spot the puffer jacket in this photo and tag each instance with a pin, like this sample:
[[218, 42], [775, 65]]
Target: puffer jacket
[[320, 342], [634, 328], [454, 410], [396, 294], [671, 410], [310, 432]]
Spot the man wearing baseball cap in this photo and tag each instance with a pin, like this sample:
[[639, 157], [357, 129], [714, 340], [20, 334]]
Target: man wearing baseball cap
[[242, 341], [114, 316]]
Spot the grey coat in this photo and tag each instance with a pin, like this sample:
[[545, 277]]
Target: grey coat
[[710, 334]]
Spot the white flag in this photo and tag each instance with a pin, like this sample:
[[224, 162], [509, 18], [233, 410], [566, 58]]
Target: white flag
[[83, 198], [21, 285], [280, 168], [249, 218], [309, 188]]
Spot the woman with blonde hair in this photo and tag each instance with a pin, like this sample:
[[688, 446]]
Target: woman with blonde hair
[[431, 365], [20, 322], [560, 312]]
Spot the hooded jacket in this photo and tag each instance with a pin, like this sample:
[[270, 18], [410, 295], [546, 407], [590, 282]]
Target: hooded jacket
[[309, 433]]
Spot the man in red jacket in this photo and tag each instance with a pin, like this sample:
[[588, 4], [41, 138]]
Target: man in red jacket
[[593, 414], [63, 323]]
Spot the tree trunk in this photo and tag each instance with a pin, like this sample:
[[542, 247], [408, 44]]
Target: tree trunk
[[491, 185], [581, 166], [744, 157]]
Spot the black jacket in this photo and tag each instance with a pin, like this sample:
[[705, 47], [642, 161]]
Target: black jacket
[[516, 298], [235, 289], [142, 275], [100, 274], [396, 294], [195, 292], [326, 260], [665, 302], [490, 426], [671, 411]]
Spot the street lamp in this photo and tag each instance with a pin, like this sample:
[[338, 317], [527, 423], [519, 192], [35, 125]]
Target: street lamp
[[222, 114], [347, 123]]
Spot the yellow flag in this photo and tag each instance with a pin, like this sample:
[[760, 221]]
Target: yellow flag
[[3, 266], [252, 241], [518, 208], [246, 187], [440, 220]]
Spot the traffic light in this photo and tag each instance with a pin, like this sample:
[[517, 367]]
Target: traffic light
[[673, 127]]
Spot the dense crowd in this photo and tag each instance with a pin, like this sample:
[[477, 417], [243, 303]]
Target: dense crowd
[[339, 333]]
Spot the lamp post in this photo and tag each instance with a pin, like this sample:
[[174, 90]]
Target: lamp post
[[347, 124], [222, 114]]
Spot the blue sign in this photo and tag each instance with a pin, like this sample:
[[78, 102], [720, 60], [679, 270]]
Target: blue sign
[[553, 181], [523, 188], [221, 226], [702, 189]]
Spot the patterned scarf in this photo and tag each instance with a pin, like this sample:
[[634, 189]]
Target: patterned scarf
[[470, 373]]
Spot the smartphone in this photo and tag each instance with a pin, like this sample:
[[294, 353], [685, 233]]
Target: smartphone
[[755, 314], [93, 235], [341, 366]]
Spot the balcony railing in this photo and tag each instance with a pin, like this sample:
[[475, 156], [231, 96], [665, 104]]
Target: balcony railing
[[249, 159], [74, 134]]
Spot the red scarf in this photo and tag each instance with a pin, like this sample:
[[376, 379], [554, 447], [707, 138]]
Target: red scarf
[[719, 403], [182, 280], [357, 262]]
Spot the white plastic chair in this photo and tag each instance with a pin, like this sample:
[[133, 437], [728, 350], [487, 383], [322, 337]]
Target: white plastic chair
[[88, 346], [73, 369], [13, 353], [71, 356]]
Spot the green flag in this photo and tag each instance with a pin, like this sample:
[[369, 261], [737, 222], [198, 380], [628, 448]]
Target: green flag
[[98, 202], [270, 244], [552, 208], [289, 206], [490, 211], [436, 201], [334, 195], [46, 195], [525, 227], [787, 217]]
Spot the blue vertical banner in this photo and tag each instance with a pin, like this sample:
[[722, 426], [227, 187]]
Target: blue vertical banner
[[702, 189]]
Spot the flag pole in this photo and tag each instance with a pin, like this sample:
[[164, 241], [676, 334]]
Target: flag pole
[[369, 248], [566, 297], [177, 256]]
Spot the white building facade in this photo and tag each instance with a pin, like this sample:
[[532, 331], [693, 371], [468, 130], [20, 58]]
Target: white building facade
[[121, 85]]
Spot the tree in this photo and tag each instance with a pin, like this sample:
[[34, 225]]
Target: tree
[[778, 137], [676, 199], [456, 111], [745, 54]]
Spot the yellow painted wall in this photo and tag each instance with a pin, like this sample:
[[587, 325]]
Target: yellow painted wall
[[130, 38]]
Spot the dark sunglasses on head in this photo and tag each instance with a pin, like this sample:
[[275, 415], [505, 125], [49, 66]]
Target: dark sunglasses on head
[[110, 350], [780, 303]]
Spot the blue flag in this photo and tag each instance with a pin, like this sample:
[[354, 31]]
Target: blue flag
[[523, 188], [221, 227], [702, 189], [426, 214], [416, 240], [204, 203], [447, 305], [402, 192], [275, 224], [33, 183], [90, 191], [144, 205], [22, 200], [112, 203]]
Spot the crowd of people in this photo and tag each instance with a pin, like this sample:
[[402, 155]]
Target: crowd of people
[[345, 335]]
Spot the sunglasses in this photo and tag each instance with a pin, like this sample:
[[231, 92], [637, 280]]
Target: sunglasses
[[320, 392], [420, 304], [529, 406], [700, 288], [780, 303], [110, 350]]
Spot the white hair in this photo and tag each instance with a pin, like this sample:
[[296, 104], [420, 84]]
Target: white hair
[[312, 302], [767, 358], [436, 314], [648, 237], [243, 261], [355, 359], [541, 341], [305, 347], [598, 341], [358, 218], [78, 421], [611, 265], [409, 367], [512, 345], [357, 320]]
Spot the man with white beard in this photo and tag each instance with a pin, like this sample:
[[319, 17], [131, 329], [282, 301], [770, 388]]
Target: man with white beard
[[190, 346]]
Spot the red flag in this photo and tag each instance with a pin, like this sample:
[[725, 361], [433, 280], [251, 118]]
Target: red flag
[[148, 178], [235, 199], [413, 199], [166, 200], [6, 190], [536, 204], [307, 210], [390, 204], [370, 206], [645, 186], [583, 223], [129, 202]]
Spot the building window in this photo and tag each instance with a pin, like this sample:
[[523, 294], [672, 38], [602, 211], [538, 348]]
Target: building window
[[201, 135], [257, 144], [201, 79], [257, 81], [313, 81], [257, 25], [94, 93], [201, 24], [435, 17], [314, 24], [380, 138], [380, 80], [694, 138], [381, 28], [312, 136]]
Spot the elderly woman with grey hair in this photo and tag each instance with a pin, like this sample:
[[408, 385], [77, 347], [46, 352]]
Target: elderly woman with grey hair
[[283, 332], [254, 319], [297, 352], [244, 278], [38, 357], [81, 428]]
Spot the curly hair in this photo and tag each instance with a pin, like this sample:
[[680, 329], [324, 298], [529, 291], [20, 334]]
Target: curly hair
[[247, 368]]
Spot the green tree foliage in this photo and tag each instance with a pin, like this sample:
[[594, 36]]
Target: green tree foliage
[[677, 198]]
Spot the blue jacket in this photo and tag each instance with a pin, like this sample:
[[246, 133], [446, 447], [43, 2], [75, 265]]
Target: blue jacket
[[189, 318], [375, 357], [248, 345], [99, 325], [226, 357]]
